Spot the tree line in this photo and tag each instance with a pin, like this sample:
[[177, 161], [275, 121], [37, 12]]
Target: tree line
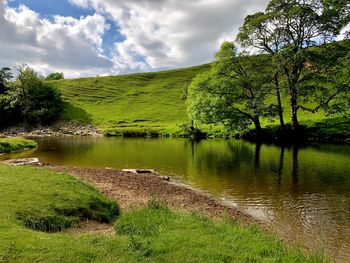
[[28, 99], [297, 56]]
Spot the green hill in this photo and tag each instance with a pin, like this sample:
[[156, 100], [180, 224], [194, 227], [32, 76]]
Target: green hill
[[154, 102], [136, 102]]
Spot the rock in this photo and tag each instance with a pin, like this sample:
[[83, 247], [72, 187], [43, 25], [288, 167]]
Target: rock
[[22, 162], [146, 171]]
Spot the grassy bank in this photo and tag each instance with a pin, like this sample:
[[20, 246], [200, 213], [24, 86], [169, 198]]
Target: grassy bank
[[8, 145], [37, 201]]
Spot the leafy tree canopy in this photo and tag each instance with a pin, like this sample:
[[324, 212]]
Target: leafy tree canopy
[[234, 92]]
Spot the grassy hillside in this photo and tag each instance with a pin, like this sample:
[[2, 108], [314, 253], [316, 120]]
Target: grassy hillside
[[147, 101], [153, 102]]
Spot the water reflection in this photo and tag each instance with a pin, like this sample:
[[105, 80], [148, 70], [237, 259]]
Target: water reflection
[[304, 192]]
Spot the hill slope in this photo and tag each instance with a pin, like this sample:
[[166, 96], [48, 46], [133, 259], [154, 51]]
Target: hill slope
[[145, 101]]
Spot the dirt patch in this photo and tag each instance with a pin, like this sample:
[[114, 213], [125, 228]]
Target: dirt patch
[[133, 191]]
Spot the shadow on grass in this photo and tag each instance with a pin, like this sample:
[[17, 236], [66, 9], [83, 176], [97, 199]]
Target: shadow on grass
[[75, 113]]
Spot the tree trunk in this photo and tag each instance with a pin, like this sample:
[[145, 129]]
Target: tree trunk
[[279, 102], [294, 109], [257, 124]]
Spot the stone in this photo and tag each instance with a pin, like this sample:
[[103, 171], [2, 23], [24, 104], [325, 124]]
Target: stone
[[22, 162]]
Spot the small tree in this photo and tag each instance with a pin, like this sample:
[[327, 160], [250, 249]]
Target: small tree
[[234, 92], [55, 76]]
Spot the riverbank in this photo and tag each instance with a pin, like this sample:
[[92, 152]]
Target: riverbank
[[145, 231], [8, 145], [61, 128], [333, 130]]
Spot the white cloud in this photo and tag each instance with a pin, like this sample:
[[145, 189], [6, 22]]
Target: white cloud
[[159, 34], [173, 33], [63, 44]]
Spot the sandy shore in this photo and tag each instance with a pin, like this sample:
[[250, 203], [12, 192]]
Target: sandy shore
[[134, 190]]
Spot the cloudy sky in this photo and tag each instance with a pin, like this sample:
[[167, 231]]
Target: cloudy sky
[[103, 37]]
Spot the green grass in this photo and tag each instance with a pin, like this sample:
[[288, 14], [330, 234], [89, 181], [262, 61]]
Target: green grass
[[130, 103], [150, 234], [8, 145]]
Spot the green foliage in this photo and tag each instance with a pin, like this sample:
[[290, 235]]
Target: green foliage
[[55, 76], [8, 145], [235, 92], [29, 100], [326, 79]]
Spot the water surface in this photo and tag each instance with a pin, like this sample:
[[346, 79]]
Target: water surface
[[303, 192]]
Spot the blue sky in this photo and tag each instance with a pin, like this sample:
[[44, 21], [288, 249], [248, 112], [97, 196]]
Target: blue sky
[[53, 7]]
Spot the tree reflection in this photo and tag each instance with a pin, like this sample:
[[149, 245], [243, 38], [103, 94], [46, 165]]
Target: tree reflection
[[295, 167], [280, 166], [257, 156]]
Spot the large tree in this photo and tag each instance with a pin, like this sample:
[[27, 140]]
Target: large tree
[[287, 29], [235, 91]]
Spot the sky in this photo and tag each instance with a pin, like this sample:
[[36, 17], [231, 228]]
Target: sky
[[105, 37]]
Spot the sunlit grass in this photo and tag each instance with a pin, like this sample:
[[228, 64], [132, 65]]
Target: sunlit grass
[[151, 234], [8, 145]]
